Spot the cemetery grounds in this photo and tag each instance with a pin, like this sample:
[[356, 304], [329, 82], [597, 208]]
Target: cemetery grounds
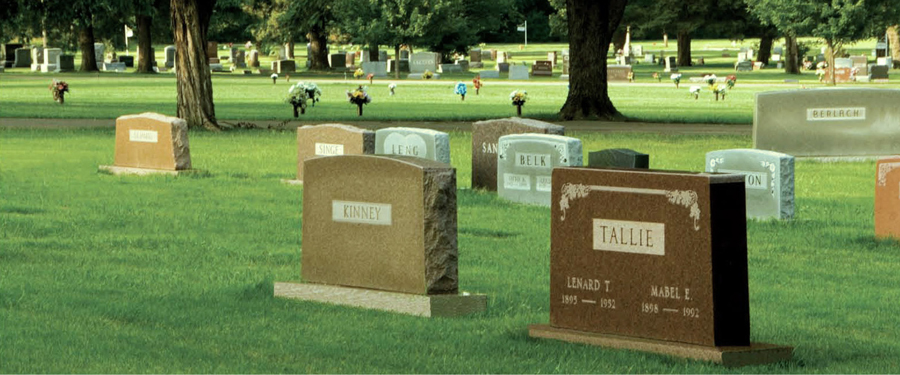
[[164, 274]]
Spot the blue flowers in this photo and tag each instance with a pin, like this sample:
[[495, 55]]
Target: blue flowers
[[460, 89]]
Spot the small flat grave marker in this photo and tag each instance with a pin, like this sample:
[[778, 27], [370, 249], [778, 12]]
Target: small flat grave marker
[[422, 143], [653, 261], [486, 135], [525, 162], [380, 232], [150, 143], [518, 72], [768, 178]]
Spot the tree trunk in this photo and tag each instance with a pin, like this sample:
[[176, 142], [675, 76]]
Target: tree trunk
[[830, 51], [397, 61], [86, 45], [684, 48], [765, 48], [145, 48], [591, 27], [317, 49], [893, 33], [190, 22], [289, 50], [791, 55]]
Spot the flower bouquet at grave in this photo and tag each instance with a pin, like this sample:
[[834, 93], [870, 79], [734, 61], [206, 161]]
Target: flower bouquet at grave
[[59, 90], [477, 83], [274, 77], [730, 80], [676, 77], [460, 89], [391, 87], [720, 90], [312, 91], [655, 76], [518, 99], [298, 98], [359, 96], [358, 73], [710, 80], [695, 91], [428, 74], [370, 76]]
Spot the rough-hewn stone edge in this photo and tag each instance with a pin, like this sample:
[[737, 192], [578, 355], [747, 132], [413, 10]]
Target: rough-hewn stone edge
[[368, 140], [442, 147], [440, 227], [576, 156], [786, 168], [180, 144]]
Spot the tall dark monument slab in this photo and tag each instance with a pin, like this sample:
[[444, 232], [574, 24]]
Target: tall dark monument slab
[[652, 260]]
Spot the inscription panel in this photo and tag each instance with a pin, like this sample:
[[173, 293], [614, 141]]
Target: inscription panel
[[534, 156], [486, 135], [650, 254], [768, 179]]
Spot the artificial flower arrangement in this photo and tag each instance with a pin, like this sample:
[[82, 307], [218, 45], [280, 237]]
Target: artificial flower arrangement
[[428, 74], [695, 91], [297, 97], [59, 90], [312, 91], [391, 87], [359, 96], [720, 90], [477, 83], [274, 77], [370, 76], [460, 89], [518, 99], [730, 81], [676, 77], [358, 73], [710, 80]]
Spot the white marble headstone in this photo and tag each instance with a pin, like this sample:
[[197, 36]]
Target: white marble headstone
[[525, 164], [768, 178], [422, 143]]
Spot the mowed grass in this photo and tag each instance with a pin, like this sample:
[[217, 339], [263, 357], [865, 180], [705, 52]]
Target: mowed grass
[[108, 96], [108, 274]]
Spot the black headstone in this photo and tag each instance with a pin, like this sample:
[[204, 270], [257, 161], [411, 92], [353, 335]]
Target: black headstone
[[618, 158]]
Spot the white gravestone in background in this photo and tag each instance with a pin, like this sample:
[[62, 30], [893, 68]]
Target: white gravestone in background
[[422, 143], [768, 178]]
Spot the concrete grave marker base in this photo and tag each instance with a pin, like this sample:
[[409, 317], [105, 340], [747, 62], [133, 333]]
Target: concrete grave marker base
[[440, 305], [118, 171], [292, 182], [730, 356]]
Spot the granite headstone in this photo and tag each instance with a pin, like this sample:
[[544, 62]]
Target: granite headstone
[[486, 135], [525, 163], [618, 158], [768, 179], [152, 141], [422, 143], [331, 140]]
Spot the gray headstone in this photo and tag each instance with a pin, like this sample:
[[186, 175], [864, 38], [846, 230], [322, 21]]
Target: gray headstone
[[284, 66], [114, 67], [744, 66], [378, 68], [23, 58], [525, 164], [337, 61], [485, 137], [37, 58], [421, 61], [618, 158], [404, 66], [422, 143], [51, 55], [502, 67], [828, 122], [489, 74], [450, 68], [65, 63], [404, 54], [518, 72], [100, 52], [486, 55], [671, 64], [253, 60], [879, 71], [768, 178], [383, 56], [170, 56], [843, 63], [463, 64]]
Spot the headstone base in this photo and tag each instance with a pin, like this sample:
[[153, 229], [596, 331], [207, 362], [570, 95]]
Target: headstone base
[[141, 171], [730, 356], [445, 305], [292, 182], [419, 76]]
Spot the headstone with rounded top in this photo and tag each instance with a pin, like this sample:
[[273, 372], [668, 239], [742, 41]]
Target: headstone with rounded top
[[485, 137], [422, 143], [525, 163], [331, 140]]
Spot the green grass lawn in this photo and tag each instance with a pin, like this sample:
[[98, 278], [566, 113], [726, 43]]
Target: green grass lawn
[[107, 274], [254, 97]]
